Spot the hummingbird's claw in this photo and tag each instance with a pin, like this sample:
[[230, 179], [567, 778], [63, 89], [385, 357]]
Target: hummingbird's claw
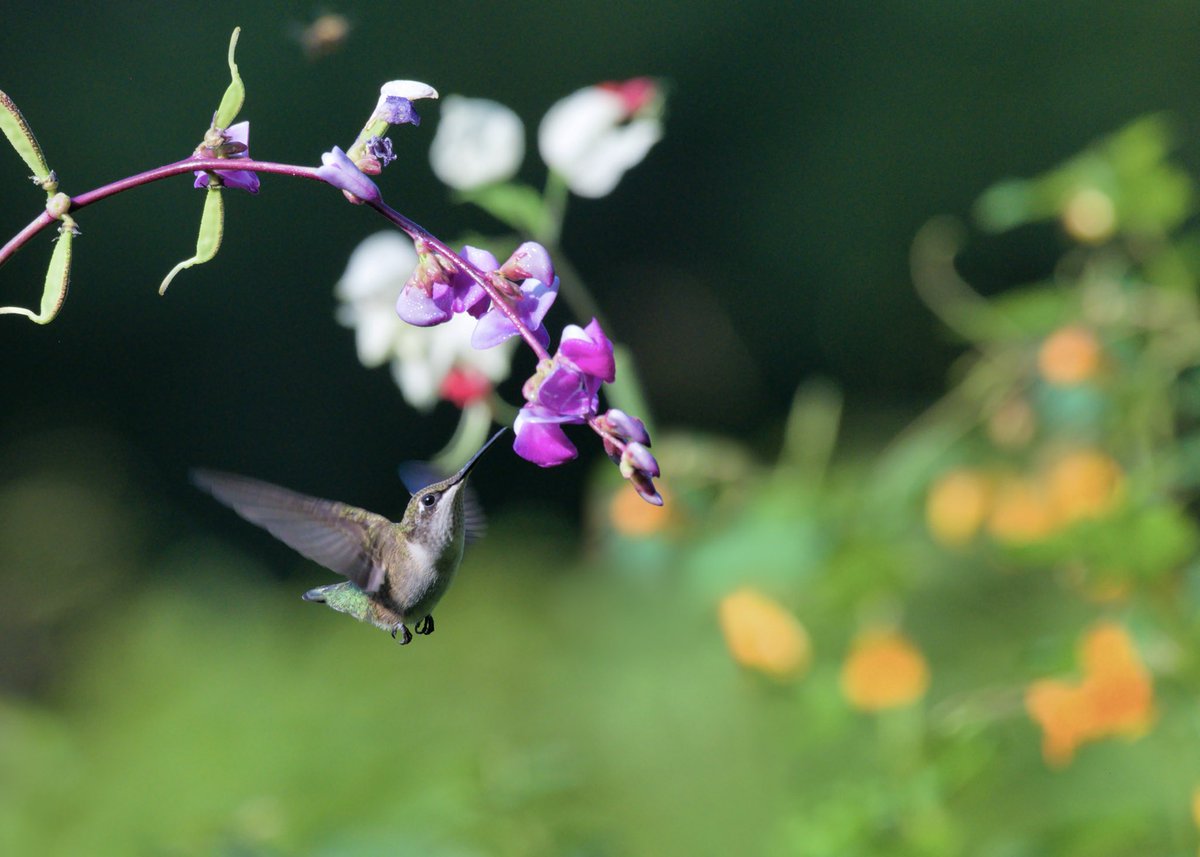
[[425, 626], [405, 635]]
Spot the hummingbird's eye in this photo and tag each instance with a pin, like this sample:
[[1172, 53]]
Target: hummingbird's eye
[[428, 500]]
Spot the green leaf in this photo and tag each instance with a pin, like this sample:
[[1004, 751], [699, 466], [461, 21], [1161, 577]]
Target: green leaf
[[812, 428], [625, 392], [58, 277], [235, 95], [518, 205], [212, 226], [20, 135]]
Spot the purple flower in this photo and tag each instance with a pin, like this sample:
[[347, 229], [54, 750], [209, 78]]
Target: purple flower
[[536, 297], [341, 172], [589, 350], [432, 297], [236, 145], [569, 392]]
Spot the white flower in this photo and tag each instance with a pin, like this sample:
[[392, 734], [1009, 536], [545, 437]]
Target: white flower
[[420, 357], [594, 135], [478, 142]]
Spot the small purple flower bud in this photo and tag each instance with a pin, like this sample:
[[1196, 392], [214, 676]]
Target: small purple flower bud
[[589, 350], [338, 170], [626, 427], [529, 261], [645, 488], [637, 459], [380, 148]]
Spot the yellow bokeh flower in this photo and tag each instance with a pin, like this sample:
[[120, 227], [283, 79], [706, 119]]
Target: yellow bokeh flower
[[1069, 356], [884, 670], [764, 636], [1114, 697], [956, 506]]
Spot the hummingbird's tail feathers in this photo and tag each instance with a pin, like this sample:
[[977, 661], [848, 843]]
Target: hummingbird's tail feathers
[[328, 532]]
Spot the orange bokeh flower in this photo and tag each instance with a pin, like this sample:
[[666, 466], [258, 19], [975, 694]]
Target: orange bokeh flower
[[956, 505], [763, 636], [1022, 511], [634, 517], [1114, 697], [1085, 483], [1069, 356], [884, 670]]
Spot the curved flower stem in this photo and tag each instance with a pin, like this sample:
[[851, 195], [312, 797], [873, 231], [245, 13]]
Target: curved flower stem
[[415, 232], [214, 165]]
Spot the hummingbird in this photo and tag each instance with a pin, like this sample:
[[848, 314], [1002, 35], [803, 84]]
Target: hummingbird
[[395, 572]]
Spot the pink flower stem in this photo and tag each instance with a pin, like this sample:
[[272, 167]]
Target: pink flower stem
[[416, 232], [215, 165], [219, 165]]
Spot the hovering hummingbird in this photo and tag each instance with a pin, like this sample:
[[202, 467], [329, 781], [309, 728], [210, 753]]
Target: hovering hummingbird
[[396, 573]]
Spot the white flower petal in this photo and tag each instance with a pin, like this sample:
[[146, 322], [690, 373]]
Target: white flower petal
[[380, 265], [410, 89], [611, 155], [478, 142], [582, 139]]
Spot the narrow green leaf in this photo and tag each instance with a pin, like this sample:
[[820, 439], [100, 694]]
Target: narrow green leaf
[[212, 227], [231, 103], [625, 392], [517, 205], [58, 277], [20, 135], [812, 428]]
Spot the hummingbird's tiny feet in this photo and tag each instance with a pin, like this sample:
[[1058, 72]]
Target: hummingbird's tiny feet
[[425, 626], [405, 634]]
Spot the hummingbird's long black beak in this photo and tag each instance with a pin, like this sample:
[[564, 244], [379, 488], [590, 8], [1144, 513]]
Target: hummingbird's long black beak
[[466, 468]]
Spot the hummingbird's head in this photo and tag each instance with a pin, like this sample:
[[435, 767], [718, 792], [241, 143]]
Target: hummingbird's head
[[435, 512]]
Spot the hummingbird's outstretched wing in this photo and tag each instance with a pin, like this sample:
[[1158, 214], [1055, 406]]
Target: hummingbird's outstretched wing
[[333, 534]]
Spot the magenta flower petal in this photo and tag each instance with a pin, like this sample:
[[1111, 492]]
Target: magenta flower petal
[[589, 349], [568, 392], [543, 443]]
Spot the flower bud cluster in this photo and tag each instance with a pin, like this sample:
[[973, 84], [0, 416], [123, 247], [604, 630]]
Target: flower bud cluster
[[438, 290], [564, 391]]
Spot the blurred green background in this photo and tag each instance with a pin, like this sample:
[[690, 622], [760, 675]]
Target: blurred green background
[[164, 691]]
